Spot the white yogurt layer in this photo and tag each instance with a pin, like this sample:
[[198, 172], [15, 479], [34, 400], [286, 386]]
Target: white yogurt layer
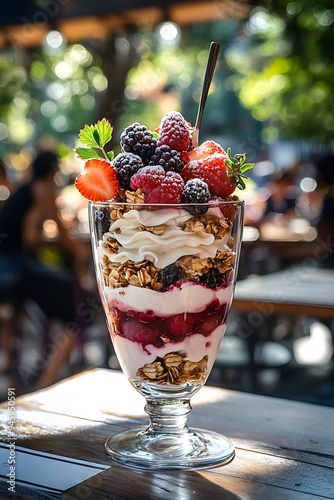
[[137, 244], [132, 356], [189, 297]]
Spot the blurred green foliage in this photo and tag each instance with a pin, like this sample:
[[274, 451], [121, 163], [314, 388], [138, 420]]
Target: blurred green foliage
[[284, 72], [171, 77], [274, 79], [45, 92]]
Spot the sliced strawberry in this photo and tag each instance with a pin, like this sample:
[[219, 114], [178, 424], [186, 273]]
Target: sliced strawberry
[[99, 181]]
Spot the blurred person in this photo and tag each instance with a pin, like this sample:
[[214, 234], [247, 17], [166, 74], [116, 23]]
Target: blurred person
[[23, 276], [283, 195]]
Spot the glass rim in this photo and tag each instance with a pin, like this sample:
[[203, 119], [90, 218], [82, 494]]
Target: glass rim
[[209, 203]]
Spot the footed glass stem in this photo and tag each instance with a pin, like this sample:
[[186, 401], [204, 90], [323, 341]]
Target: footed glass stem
[[168, 443]]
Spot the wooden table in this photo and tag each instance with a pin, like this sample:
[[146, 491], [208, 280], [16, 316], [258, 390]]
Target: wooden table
[[299, 290], [291, 243], [284, 449]]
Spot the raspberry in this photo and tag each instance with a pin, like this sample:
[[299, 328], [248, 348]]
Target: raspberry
[[158, 186], [148, 178], [170, 274], [138, 139], [168, 158], [213, 278], [196, 191], [180, 325], [141, 333], [126, 164], [174, 131]]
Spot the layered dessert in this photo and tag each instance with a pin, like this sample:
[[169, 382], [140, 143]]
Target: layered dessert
[[163, 215], [167, 290]]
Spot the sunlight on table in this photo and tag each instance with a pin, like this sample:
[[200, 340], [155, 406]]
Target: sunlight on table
[[315, 349]]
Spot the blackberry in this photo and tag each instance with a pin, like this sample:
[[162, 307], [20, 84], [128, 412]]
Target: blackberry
[[213, 278], [138, 139], [168, 158], [103, 216], [126, 164], [196, 191], [170, 274]]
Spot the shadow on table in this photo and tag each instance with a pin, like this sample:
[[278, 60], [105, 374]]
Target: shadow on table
[[155, 485]]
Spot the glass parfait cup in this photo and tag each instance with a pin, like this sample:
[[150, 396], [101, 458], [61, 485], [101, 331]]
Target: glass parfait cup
[[166, 276]]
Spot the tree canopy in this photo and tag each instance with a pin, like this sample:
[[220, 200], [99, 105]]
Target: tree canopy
[[275, 75], [284, 72]]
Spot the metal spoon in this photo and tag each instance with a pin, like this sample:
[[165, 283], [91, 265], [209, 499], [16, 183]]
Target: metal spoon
[[210, 68]]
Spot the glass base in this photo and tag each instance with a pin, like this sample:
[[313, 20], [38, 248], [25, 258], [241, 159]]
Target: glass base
[[194, 449]]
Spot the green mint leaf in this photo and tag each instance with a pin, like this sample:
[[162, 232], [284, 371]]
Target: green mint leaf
[[87, 137], [86, 153], [97, 135], [111, 155], [155, 135], [104, 130]]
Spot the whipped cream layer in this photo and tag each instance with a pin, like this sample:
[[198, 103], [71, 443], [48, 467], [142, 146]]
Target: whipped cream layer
[[187, 297], [132, 356], [138, 244]]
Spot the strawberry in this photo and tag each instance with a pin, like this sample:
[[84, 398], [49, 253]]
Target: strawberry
[[202, 152], [180, 325], [227, 209], [99, 181], [222, 172], [141, 332]]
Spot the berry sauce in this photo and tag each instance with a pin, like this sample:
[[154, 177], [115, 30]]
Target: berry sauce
[[146, 328]]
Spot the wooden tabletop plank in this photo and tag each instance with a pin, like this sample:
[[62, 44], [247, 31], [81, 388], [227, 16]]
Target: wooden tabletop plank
[[304, 287], [284, 449], [260, 305], [183, 486], [298, 290], [84, 439], [248, 418]]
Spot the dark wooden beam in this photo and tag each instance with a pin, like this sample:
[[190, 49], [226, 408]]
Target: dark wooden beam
[[80, 19]]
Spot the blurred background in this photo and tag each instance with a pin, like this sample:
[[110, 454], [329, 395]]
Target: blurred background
[[65, 63]]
